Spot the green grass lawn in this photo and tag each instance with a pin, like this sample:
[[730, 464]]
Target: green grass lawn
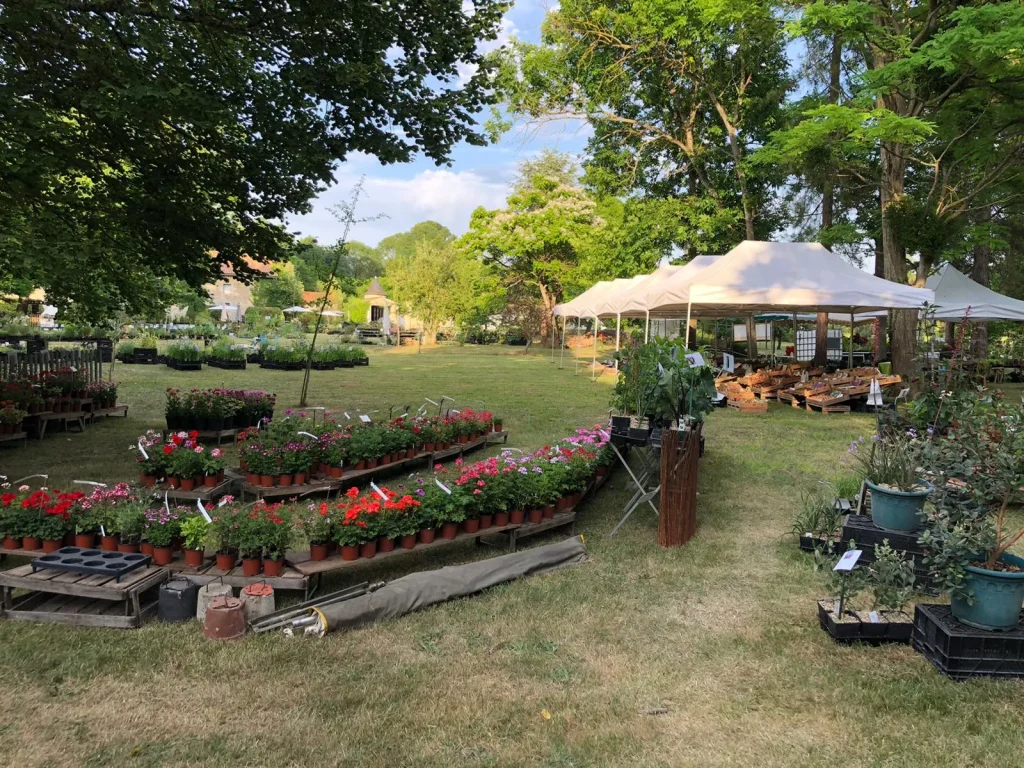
[[722, 632]]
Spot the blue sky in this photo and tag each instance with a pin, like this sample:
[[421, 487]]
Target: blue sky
[[420, 190]]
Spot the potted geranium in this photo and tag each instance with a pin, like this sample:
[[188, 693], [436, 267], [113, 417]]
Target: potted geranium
[[223, 533], [11, 418], [50, 527], [317, 528], [160, 528], [13, 522], [278, 533], [212, 463], [194, 530], [890, 467]]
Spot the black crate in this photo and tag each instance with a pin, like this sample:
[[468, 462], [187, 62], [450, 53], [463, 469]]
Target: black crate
[[874, 633], [229, 365], [184, 365], [145, 355], [94, 561], [960, 651], [864, 531]]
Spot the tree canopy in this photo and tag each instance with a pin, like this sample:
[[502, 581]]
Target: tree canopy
[[164, 138]]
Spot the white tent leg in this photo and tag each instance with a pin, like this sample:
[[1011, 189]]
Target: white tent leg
[[850, 359], [687, 330], [647, 327], [618, 329], [593, 366], [554, 333], [561, 353]]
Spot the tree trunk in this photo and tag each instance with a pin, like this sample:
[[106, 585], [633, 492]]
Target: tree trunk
[[828, 200], [882, 327], [430, 333], [549, 299], [904, 323], [980, 274]]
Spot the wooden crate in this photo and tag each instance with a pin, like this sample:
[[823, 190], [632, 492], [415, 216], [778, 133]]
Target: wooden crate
[[748, 406]]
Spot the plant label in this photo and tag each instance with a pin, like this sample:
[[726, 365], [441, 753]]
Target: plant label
[[873, 616], [848, 561], [203, 512], [695, 359], [443, 487], [90, 482], [729, 362], [307, 434], [432, 402], [347, 416], [404, 415], [167, 504], [143, 450], [661, 368], [103, 530], [364, 418], [378, 491]]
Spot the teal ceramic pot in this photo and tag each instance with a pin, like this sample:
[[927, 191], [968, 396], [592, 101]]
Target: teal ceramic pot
[[897, 511], [998, 596]]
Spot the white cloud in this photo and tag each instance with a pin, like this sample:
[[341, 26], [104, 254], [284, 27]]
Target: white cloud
[[445, 196], [506, 31]]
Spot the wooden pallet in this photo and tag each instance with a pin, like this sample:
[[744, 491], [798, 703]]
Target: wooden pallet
[[823, 408], [290, 578], [748, 406], [102, 413], [80, 599], [65, 419]]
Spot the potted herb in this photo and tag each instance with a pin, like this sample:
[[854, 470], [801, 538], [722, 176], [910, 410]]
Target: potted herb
[[130, 523], [194, 530], [160, 529], [889, 466]]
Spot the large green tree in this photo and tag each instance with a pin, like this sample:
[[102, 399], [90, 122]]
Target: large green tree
[[438, 283], [402, 244], [139, 138]]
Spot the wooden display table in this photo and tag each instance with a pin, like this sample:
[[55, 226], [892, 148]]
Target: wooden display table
[[201, 493], [290, 578], [102, 413], [15, 438], [79, 599]]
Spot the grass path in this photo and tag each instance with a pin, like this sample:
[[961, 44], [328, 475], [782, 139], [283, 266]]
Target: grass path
[[722, 633]]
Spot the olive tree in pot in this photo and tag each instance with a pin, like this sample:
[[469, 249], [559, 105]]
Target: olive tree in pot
[[967, 542]]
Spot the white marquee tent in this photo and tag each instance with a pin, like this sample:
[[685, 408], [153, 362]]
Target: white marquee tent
[[955, 292]]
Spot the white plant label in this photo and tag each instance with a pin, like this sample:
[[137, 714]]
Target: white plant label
[[695, 359], [873, 616], [103, 530], [378, 491], [848, 561], [90, 482], [222, 502], [364, 418], [143, 450], [455, 410], [307, 434], [347, 416], [729, 362], [404, 415], [203, 512], [443, 487], [167, 504], [432, 402]]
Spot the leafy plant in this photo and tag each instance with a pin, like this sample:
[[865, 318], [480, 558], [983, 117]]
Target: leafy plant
[[818, 513], [195, 529]]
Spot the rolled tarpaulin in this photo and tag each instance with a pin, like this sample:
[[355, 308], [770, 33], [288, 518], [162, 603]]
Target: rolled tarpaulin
[[421, 590]]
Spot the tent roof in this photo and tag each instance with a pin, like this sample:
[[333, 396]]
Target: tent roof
[[955, 292], [577, 307], [758, 276], [633, 300]]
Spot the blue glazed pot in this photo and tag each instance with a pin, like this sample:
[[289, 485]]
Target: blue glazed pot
[[897, 511], [998, 596]]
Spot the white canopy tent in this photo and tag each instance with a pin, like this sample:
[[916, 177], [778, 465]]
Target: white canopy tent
[[296, 310], [956, 293]]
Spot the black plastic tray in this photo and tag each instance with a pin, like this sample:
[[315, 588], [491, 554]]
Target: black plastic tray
[[92, 561], [960, 651]]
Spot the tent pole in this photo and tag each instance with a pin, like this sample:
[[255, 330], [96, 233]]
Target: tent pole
[[794, 337], [593, 366], [687, 329], [561, 353], [647, 327], [850, 363], [554, 333], [618, 327]]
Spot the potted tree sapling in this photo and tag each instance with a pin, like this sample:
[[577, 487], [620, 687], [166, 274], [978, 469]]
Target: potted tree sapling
[[890, 466]]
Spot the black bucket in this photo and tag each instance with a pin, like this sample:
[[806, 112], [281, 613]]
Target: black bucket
[[177, 600]]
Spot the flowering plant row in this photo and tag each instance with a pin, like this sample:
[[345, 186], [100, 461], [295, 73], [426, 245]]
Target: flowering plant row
[[181, 460], [290, 449], [217, 409], [56, 391]]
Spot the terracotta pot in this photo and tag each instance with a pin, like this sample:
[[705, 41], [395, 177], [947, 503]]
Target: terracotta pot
[[516, 516], [317, 551], [32, 543], [52, 545], [194, 558], [427, 535], [173, 483], [11, 543], [252, 479], [148, 480], [299, 478], [85, 540], [464, 439], [188, 483], [562, 504], [449, 530], [428, 447], [147, 548], [335, 472], [210, 481], [385, 459], [497, 425], [163, 555], [349, 552], [198, 481], [368, 549], [408, 542], [332, 547], [361, 464], [128, 549], [384, 544], [471, 526], [273, 567], [549, 512], [501, 519], [225, 618], [535, 515], [314, 467], [251, 566], [411, 453], [267, 481], [109, 543], [284, 480], [371, 463], [485, 522], [226, 560]]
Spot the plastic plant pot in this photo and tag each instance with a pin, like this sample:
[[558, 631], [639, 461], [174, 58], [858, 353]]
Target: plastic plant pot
[[898, 511], [998, 596]]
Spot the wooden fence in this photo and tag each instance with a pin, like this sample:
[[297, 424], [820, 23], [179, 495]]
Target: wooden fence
[[680, 470], [14, 365]]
